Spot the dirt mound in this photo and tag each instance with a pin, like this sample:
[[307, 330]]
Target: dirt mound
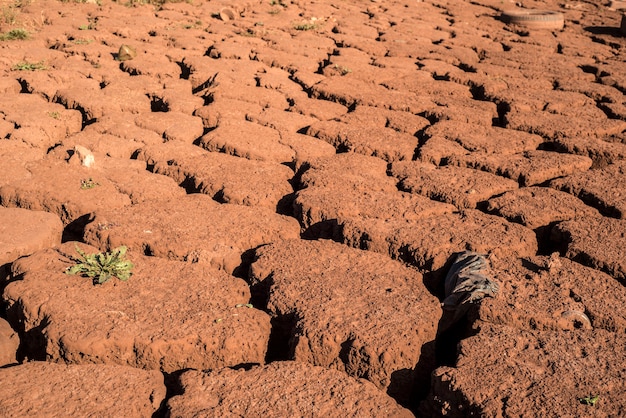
[[147, 321], [596, 188], [552, 293], [369, 316], [23, 232], [226, 178], [596, 242], [39, 388], [464, 188], [354, 187], [9, 343], [531, 372], [537, 207], [292, 388], [108, 183], [208, 233]]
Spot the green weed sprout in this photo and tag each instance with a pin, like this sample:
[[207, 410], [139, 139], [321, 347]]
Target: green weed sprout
[[15, 34], [102, 266], [86, 184], [29, 66], [304, 26], [589, 400]]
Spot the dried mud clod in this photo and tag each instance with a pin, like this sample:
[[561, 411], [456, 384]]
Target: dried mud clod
[[126, 52]]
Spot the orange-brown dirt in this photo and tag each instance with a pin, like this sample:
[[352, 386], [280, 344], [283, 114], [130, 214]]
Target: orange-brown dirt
[[293, 180]]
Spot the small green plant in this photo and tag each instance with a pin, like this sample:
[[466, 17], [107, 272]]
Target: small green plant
[[86, 184], [93, 22], [100, 267], [54, 115], [29, 66], [312, 23], [274, 11], [156, 3], [82, 41], [15, 34], [195, 25], [304, 26], [589, 400]]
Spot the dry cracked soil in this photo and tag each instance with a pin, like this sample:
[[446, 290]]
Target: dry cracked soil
[[293, 181]]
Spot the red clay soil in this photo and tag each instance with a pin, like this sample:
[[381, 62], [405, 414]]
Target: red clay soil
[[279, 389], [293, 181], [146, 322], [49, 389]]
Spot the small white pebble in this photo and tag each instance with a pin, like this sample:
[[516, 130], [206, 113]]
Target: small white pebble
[[86, 157]]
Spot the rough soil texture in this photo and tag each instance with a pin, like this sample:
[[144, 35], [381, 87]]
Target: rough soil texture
[[9, 343], [148, 322], [208, 233], [293, 184], [377, 324], [462, 187], [57, 390], [225, 178], [278, 389], [602, 188], [23, 232], [537, 207], [554, 293], [530, 366], [597, 242]]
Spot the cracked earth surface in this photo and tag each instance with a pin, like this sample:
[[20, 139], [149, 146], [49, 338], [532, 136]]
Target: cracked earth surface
[[293, 179]]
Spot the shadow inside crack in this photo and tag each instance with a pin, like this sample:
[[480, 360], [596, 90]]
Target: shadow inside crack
[[604, 30], [449, 337], [279, 347], [466, 284], [417, 378], [75, 230], [33, 341]]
